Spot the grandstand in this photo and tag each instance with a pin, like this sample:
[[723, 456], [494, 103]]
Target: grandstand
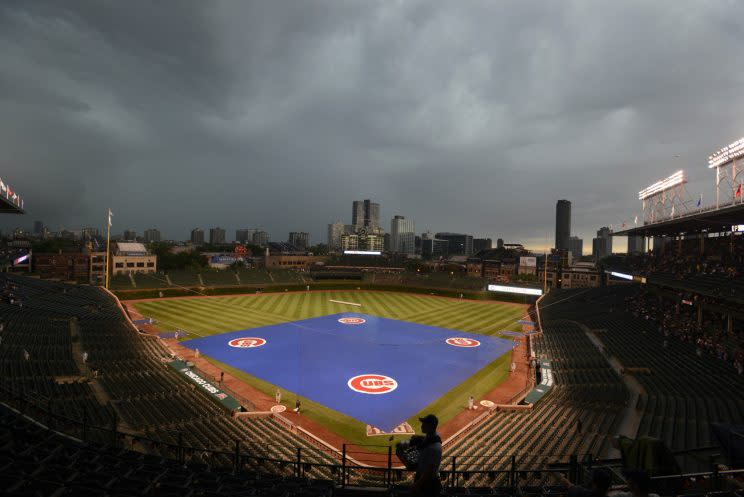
[[125, 387], [624, 361]]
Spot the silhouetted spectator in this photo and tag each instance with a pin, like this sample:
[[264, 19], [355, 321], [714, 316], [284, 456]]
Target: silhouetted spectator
[[638, 483], [600, 484], [427, 482]]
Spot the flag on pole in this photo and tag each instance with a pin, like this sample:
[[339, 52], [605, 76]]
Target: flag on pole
[[700, 201], [110, 215], [635, 221], [672, 210], [738, 191], [623, 224]]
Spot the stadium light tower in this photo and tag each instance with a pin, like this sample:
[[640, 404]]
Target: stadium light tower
[[665, 199], [731, 177]]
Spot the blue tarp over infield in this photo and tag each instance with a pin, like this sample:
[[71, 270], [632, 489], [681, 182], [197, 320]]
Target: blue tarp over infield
[[317, 357]]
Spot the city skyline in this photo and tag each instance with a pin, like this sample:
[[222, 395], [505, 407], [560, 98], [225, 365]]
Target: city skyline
[[351, 103]]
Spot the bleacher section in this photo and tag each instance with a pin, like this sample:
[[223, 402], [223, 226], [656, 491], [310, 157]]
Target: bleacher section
[[584, 389], [38, 462], [253, 276], [124, 382], [184, 278], [710, 285], [219, 278], [427, 280], [287, 276], [683, 391]]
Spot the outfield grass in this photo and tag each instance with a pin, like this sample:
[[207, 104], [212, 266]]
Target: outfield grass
[[209, 316]]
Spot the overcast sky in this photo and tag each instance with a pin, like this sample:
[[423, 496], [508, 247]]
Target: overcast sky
[[465, 116]]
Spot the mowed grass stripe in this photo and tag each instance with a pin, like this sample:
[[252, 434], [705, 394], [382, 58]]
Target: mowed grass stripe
[[217, 320], [235, 312], [379, 300], [173, 317], [477, 321]]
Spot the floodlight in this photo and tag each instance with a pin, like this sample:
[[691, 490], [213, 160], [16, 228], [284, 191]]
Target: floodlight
[[728, 153], [675, 179]]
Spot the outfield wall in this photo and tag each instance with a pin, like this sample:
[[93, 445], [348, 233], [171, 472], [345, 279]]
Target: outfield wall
[[320, 286]]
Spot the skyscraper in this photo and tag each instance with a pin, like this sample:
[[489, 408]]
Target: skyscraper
[[357, 213], [89, 233], [575, 246], [244, 235], [602, 244], [152, 235], [365, 213], [562, 224], [335, 232], [197, 236], [299, 239], [260, 238], [129, 235], [482, 244], [38, 227], [216, 236], [458, 243], [402, 235]]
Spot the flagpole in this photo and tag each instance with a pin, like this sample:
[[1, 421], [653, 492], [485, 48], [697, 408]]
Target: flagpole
[[545, 268], [108, 243]]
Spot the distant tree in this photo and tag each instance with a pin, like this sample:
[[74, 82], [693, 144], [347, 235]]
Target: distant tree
[[167, 260], [319, 249], [52, 245]]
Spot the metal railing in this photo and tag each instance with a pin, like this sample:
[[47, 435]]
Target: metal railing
[[347, 466]]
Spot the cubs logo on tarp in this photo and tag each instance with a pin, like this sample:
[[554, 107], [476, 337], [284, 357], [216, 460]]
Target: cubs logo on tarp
[[246, 342], [373, 384], [352, 320], [462, 342]]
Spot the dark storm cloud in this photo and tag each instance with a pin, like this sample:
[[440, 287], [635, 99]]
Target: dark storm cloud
[[471, 116]]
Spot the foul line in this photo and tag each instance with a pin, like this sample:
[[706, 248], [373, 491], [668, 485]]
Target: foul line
[[346, 303]]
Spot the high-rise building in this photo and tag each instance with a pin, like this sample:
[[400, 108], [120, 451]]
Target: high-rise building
[[402, 235], [636, 244], [38, 227], [216, 236], [197, 236], [500, 243], [365, 213], [482, 244], [433, 248], [335, 232], [129, 235], [89, 233], [152, 235], [261, 238], [299, 239], [458, 243], [357, 213], [244, 235], [602, 244], [562, 224], [575, 246]]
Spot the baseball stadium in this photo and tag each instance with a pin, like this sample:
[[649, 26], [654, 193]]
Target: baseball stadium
[[269, 381]]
